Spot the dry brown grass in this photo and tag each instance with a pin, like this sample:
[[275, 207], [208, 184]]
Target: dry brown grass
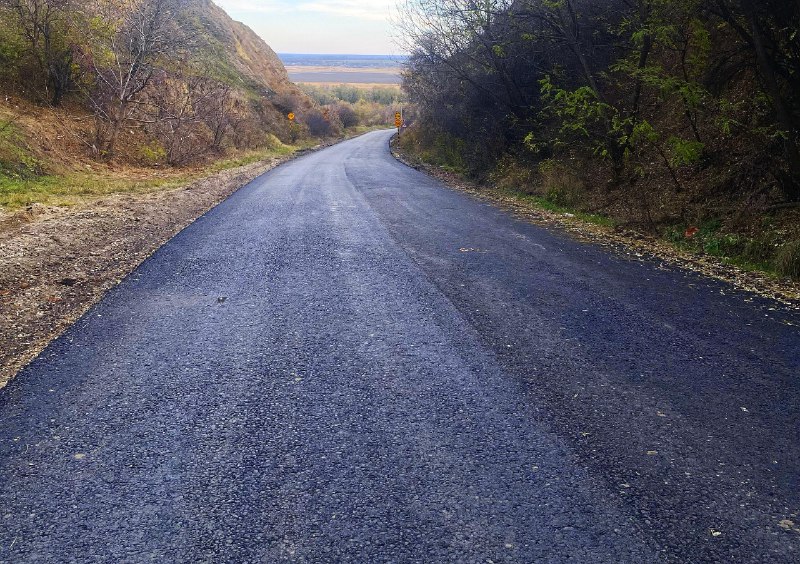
[[67, 174]]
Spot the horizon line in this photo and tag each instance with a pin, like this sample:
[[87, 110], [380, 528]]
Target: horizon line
[[345, 54]]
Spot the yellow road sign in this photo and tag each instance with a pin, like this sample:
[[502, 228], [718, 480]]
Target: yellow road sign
[[398, 119], [291, 116]]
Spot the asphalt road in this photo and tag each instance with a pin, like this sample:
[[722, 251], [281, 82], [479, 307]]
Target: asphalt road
[[346, 361]]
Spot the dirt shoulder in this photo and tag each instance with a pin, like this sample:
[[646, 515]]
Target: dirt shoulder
[[56, 262], [624, 241]]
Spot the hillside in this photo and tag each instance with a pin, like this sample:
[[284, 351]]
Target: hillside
[[86, 192], [203, 87], [248, 53], [237, 53]]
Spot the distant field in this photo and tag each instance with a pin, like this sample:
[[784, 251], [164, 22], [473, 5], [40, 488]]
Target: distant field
[[358, 85], [344, 69], [344, 76]]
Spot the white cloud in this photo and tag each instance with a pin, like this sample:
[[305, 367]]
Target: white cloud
[[317, 26], [359, 9]]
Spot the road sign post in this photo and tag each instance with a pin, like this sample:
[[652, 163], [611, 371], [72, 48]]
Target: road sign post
[[398, 121]]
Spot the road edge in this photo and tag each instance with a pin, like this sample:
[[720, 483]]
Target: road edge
[[47, 317], [629, 243]]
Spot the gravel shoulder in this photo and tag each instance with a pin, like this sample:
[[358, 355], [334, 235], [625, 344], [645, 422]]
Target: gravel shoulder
[[56, 262]]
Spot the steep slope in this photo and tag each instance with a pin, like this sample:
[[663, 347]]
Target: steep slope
[[238, 55], [36, 139]]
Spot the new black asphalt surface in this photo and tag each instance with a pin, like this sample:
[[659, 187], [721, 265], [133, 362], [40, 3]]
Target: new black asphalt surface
[[346, 361]]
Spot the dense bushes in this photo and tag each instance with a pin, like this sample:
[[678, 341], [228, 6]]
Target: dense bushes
[[660, 112], [650, 88], [351, 94], [353, 106]]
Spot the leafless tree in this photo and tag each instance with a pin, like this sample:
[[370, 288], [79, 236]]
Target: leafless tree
[[124, 60], [221, 111], [190, 115], [44, 25]]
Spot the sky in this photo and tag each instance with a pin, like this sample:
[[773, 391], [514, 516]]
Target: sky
[[353, 27]]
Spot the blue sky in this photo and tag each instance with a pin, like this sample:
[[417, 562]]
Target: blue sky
[[322, 26]]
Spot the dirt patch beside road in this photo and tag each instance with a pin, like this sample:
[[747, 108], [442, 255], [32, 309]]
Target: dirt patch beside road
[[56, 262]]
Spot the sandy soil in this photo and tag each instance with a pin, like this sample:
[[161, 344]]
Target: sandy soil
[[56, 262]]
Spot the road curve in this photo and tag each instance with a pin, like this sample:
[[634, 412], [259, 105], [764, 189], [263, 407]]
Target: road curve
[[346, 361]]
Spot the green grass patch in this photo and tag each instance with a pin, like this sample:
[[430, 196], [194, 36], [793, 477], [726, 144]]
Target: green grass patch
[[787, 260], [362, 129], [440, 150], [250, 157], [74, 187], [16, 159], [551, 206], [767, 252]]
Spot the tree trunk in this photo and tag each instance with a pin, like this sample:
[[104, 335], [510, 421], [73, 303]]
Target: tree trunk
[[116, 122]]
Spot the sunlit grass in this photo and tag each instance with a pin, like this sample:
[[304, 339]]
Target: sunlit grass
[[75, 187]]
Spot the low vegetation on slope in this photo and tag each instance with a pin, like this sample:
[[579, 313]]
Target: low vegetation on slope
[[99, 97], [344, 106], [674, 116]]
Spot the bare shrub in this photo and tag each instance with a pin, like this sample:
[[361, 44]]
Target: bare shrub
[[787, 261], [347, 115], [320, 125]]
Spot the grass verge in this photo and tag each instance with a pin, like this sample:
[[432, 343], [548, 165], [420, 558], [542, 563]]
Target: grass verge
[[768, 243], [709, 254], [96, 181]]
